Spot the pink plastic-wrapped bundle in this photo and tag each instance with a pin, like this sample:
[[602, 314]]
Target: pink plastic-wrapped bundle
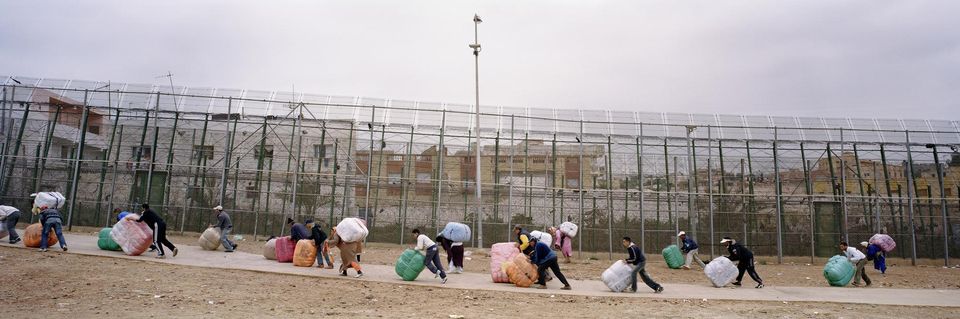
[[885, 242], [500, 253], [284, 249], [133, 237]]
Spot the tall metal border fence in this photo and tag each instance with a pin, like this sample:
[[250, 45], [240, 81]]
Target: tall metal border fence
[[785, 186]]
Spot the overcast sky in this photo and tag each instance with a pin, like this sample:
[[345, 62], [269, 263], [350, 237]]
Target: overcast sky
[[810, 58]]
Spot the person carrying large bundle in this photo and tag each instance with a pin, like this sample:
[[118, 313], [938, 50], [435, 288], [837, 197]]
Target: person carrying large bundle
[[544, 258], [10, 216], [225, 226], [858, 259], [347, 253], [159, 228], [431, 255], [562, 242], [454, 251], [690, 249], [744, 258], [876, 254], [639, 261]]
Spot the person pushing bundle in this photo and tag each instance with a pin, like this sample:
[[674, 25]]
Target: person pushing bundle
[[431, 255]]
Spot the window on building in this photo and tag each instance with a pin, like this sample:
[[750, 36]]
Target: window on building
[[67, 151], [203, 151], [95, 129], [267, 151], [573, 183], [326, 162], [322, 150], [252, 192], [537, 160], [143, 152], [423, 177], [393, 178]]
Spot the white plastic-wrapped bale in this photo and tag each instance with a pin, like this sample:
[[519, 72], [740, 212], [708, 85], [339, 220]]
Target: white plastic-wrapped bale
[[48, 199], [270, 249], [617, 277], [543, 237], [456, 232], [721, 271], [352, 229], [210, 239], [568, 228]]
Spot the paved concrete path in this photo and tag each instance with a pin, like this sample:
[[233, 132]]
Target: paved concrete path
[[194, 256]]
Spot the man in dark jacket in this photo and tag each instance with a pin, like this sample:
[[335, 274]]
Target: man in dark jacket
[[320, 239], [691, 249], [50, 218], [297, 231], [159, 228], [744, 258], [544, 257], [638, 261]]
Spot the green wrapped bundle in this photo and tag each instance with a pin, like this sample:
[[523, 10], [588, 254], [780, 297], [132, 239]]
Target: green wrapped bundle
[[673, 256], [838, 271], [106, 242], [409, 265]]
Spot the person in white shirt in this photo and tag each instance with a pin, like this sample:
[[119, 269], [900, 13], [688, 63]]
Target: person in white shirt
[[9, 216], [858, 259], [432, 260]]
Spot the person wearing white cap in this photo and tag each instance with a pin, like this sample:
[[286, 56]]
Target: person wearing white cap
[[225, 225], [858, 259], [744, 258], [690, 248]]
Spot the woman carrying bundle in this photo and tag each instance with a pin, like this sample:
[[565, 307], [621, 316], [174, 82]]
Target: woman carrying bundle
[[347, 253]]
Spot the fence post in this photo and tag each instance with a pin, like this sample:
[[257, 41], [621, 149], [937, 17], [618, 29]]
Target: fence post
[[79, 158], [610, 195], [713, 244], [580, 188], [943, 208], [779, 194], [911, 198]]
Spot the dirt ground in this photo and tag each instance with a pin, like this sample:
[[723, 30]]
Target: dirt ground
[[795, 271], [57, 284]]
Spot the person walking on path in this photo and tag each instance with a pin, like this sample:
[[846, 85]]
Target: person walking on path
[[544, 258], [320, 239], [50, 218], [690, 248], [297, 231], [225, 226], [744, 258], [858, 259], [432, 260], [347, 253], [876, 254], [563, 243], [10, 216], [159, 228], [454, 251], [638, 261]]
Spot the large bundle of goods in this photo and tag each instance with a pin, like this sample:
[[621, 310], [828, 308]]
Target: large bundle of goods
[[885, 242], [133, 237], [673, 256], [721, 271], [456, 232], [409, 265], [352, 229], [105, 242], [305, 253], [270, 249], [569, 229], [31, 236], [838, 271], [521, 272], [617, 277], [284, 249], [543, 237], [48, 199], [210, 239], [500, 253]]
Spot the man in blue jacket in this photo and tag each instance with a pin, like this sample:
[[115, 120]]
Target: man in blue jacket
[[875, 254], [638, 261], [690, 248], [544, 258]]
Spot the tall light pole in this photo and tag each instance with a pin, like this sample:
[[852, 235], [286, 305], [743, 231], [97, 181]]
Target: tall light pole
[[476, 69]]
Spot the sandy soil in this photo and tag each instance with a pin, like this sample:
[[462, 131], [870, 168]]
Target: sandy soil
[[58, 285], [795, 271]]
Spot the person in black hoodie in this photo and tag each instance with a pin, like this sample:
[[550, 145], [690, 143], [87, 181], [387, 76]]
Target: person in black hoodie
[[320, 238], [50, 218], [744, 259], [638, 261], [159, 227]]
